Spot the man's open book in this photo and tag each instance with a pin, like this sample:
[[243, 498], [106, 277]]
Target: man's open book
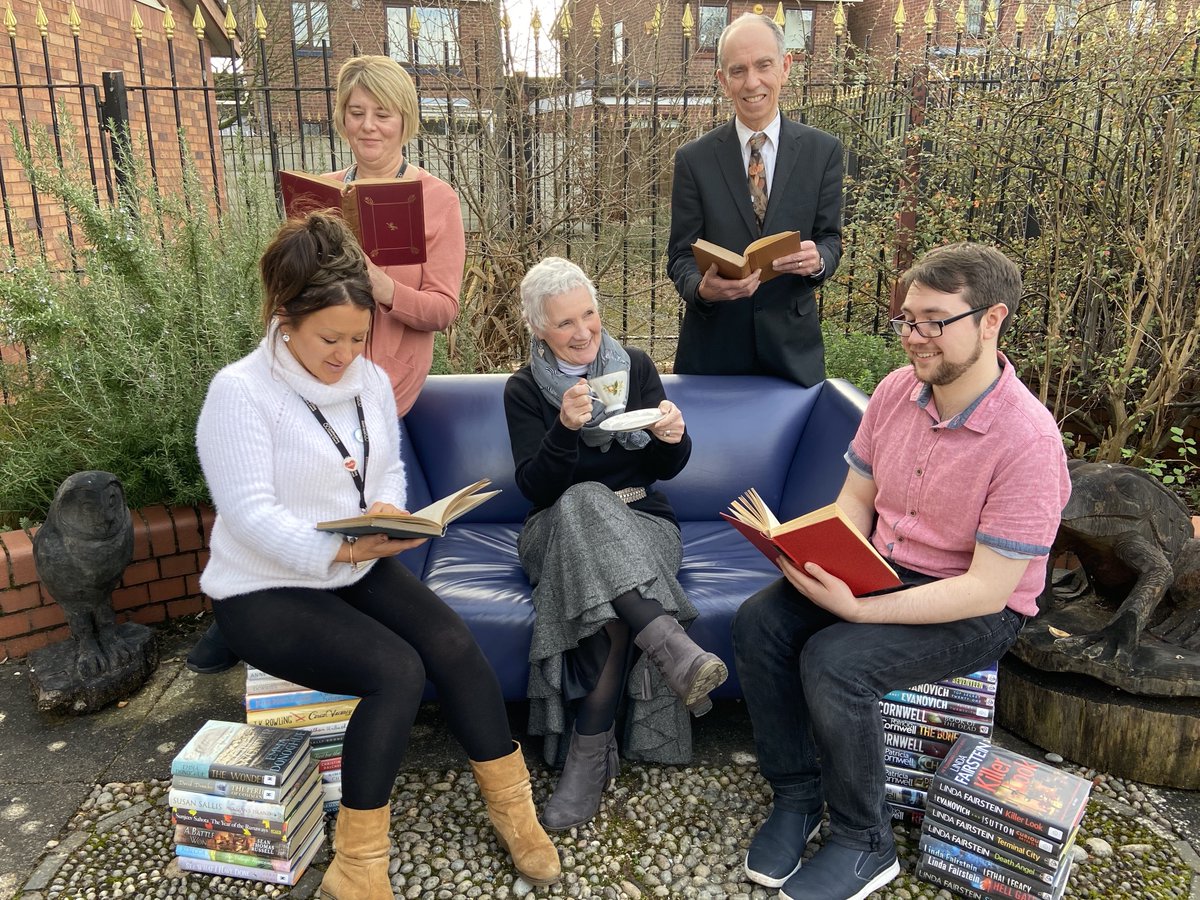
[[825, 536], [428, 522], [759, 255]]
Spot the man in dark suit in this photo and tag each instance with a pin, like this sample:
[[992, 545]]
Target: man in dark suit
[[739, 326]]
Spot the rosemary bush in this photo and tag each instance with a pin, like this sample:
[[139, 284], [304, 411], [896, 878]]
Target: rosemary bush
[[115, 349]]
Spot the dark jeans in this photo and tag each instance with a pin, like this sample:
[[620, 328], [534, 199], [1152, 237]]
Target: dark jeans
[[813, 682], [378, 639]]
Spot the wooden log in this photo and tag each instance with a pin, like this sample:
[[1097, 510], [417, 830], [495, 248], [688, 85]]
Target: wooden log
[[1148, 739]]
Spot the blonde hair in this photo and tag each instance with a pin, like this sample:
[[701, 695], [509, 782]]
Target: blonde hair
[[385, 80]]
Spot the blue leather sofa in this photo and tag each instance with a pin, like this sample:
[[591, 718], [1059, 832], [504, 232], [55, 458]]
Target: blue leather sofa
[[784, 440]]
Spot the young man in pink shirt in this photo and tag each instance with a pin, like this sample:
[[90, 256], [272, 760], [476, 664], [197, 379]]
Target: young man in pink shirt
[[958, 474]]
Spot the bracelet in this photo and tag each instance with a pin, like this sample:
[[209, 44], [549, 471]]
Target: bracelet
[[350, 541]]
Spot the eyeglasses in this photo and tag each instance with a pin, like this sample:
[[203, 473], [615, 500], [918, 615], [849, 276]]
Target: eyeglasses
[[933, 327]]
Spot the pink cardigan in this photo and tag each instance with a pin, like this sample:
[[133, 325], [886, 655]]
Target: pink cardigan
[[426, 298]]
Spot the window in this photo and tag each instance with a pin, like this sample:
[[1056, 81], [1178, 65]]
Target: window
[[1141, 15], [310, 22], [1066, 14], [437, 40], [618, 38], [976, 25], [797, 29], [713, 20]]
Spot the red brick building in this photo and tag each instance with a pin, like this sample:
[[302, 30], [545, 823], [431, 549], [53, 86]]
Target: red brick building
[[450, 48], [61, 61], [645, 37]]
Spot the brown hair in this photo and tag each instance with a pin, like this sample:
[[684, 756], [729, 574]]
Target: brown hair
[[385, 80], [310, 264], [980, 273]]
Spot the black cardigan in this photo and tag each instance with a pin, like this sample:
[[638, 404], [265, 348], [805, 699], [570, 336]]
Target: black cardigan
[[550, 457]]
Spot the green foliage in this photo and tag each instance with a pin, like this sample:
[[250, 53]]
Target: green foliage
[[1177, 467], [862, 359], [119, 347]]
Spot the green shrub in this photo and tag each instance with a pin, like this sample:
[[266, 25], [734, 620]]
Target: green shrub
[[120, 349], [862, 359]]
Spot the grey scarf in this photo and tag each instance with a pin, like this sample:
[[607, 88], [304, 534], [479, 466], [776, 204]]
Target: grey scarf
[[554, 383]]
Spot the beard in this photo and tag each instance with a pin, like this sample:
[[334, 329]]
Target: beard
[[949, 372]]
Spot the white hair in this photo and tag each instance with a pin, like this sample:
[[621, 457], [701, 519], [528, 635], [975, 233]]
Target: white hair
[[552, 277]]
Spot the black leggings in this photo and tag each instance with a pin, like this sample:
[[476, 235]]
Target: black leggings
[[378, 639]]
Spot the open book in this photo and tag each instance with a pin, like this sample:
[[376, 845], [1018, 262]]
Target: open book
[[759, 255], [825, 536], [428, 522], [387, 215]]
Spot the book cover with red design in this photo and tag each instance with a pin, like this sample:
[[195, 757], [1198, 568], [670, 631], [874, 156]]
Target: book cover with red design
[[825, 536], [1031, 794], [387, 215]]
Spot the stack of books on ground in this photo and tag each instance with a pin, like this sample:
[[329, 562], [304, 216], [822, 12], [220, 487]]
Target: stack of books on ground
[[283, 704], [246, 803], [921, 724], [998, 824]]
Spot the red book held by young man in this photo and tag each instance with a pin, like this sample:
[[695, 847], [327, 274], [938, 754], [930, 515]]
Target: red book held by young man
[[825, 536], [387, 215]]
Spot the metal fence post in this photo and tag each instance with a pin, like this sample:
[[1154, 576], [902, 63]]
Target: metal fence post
[[115, 113]]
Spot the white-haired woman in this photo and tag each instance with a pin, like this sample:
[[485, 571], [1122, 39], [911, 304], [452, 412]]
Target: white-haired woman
[[601, 547]]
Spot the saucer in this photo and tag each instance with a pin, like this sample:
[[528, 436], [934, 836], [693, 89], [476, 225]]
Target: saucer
[[632, 420]]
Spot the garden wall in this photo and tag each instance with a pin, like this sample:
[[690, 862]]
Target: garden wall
[[170, 547]]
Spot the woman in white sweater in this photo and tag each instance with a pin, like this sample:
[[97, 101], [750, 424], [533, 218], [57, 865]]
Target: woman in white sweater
[[304, 430]]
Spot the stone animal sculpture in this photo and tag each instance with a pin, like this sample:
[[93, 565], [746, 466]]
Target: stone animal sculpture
[[81, 552], [1135, 542]]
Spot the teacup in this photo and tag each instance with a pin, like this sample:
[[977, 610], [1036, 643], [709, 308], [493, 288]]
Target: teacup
[[611, 390]]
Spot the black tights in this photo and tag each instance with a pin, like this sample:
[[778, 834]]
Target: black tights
[[598, 710], [378, 639]]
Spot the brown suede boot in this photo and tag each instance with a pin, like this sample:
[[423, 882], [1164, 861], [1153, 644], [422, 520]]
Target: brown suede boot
[[504, 784], [359, 870]]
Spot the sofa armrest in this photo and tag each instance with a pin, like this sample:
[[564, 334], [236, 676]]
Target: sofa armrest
[[818, 467]]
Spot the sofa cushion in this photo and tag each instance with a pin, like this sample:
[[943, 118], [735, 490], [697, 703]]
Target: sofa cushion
[[744, 434], [475, 569], [720, 569]]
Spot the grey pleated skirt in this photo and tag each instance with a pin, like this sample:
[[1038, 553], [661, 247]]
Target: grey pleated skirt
[[581, 554]]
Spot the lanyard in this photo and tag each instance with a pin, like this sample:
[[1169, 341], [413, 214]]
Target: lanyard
[[347, 459], [352, 172]]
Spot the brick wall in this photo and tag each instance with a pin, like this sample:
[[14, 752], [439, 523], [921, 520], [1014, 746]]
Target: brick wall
[[106, 41], [170, 547]]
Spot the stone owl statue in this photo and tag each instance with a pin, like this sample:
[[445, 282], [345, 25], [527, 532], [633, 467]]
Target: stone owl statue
[[81, 552]]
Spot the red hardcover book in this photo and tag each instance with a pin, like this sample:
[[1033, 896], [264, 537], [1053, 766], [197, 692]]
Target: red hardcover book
[[825, 536], [387, 215]]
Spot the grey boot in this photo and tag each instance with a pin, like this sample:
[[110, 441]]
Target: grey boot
[[592, 763], [690, 671]]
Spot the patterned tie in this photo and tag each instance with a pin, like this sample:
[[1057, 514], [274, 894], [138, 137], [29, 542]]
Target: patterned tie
[[756, 175]]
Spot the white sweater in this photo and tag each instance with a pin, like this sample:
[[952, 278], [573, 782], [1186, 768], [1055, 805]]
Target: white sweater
[[274, 472]]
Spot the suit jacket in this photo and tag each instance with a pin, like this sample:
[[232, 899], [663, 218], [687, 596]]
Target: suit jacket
[[776, 331]]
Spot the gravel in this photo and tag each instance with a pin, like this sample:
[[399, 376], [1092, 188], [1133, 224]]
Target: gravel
[[662, 832]]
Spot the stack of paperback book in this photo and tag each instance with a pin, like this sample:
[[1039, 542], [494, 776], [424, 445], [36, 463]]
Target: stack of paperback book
[[998, 824], [246, 803], [921, 724], [283, 704]]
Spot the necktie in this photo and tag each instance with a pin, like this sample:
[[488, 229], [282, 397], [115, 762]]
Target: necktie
[[756, 175]]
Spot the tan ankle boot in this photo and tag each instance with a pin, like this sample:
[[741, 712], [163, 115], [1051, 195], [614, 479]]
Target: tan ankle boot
[[359, 870], [504, 784]]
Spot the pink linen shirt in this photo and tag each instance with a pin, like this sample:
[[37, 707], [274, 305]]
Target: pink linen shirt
[[995, 474]]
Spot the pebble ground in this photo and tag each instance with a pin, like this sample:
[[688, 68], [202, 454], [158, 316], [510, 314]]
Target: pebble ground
[[662, 832]]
